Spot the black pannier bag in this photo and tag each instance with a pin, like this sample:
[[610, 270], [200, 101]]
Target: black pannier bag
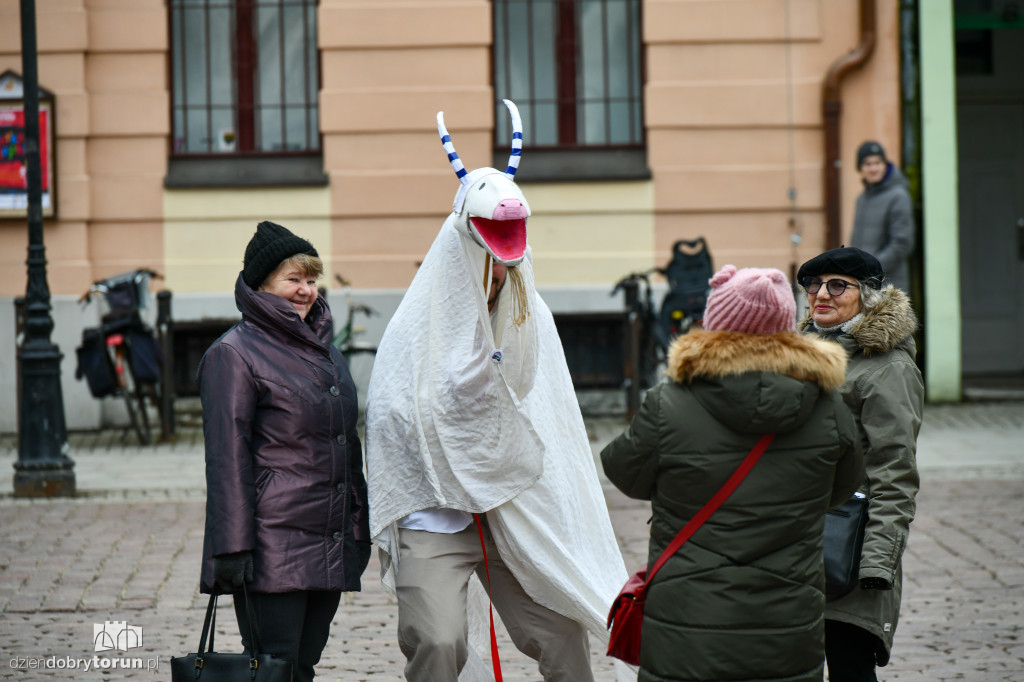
[[95, 365], [145, 356]]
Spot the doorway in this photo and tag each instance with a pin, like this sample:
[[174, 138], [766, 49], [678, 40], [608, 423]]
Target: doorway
[[990, 141]]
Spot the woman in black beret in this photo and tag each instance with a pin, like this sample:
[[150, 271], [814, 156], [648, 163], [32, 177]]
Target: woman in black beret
[[286, 506], [874, 323]]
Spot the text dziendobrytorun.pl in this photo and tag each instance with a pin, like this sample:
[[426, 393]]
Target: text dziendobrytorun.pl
[[84, 663]]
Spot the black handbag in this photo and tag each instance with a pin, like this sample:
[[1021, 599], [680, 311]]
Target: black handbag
[[211, 666], [844, 539]]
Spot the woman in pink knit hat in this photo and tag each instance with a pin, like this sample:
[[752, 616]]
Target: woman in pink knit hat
[[744, 597]]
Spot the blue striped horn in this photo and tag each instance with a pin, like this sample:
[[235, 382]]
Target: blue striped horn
[[517, 139], [453, 157]]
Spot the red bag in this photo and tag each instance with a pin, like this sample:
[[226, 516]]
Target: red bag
[[626, 617]]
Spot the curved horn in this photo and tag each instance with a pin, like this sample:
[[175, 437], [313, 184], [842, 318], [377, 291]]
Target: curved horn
[[453, 158], [517, 139]]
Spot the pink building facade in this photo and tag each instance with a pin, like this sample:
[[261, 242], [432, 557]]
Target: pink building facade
[[727, 140]]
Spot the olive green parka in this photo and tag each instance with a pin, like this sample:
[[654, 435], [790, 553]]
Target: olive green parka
[[743, 599], [885, 392]]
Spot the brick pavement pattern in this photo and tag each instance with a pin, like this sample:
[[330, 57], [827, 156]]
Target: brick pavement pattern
[[128, 550], [65, 565]]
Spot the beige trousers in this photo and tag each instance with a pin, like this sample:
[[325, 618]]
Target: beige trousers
[[433, 574]]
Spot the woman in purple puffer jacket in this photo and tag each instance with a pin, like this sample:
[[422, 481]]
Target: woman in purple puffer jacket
[[286, 509]]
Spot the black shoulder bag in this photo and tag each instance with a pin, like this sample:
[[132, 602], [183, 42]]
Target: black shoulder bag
[[211, 666], [844, 540]]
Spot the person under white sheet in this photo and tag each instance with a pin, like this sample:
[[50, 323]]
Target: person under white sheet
[[475, 439]]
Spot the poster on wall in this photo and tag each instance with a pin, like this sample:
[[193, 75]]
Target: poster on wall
[[13, 162]]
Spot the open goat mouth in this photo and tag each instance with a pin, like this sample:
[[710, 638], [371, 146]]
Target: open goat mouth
[[505, 239]]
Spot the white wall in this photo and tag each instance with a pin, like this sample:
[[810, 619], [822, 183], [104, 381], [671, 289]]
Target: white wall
[[81, 410]]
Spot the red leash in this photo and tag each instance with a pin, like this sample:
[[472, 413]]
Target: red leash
[[490, 609]]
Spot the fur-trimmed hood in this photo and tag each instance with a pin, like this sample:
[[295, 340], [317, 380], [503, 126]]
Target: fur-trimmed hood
[[890, 325], [762, 547], [756, 383], [721, 353]]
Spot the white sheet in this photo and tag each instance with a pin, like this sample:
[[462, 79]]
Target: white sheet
[[448, 426]]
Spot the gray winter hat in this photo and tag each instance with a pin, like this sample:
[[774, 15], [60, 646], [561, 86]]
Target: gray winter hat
[[869, 148]]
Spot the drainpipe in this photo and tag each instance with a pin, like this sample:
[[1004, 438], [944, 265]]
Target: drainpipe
[[832, 108]]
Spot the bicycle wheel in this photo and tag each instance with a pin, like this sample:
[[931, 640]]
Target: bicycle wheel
[[653, 354], [135, 400], [652, 365], [141, 390], [133, 419]]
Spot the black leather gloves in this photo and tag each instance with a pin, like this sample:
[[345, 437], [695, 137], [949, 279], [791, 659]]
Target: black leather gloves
[[230, 571]]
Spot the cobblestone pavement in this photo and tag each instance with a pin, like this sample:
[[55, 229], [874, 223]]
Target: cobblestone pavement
[[127, 549]]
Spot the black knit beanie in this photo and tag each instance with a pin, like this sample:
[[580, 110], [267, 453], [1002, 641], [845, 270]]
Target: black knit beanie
[[271, 244], [869, 148]]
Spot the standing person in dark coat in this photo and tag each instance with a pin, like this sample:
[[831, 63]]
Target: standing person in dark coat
[[874, 326], [286, 504], [883, 221], [744, 598]]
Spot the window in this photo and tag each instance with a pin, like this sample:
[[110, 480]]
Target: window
[[245, 82], [573, 68]]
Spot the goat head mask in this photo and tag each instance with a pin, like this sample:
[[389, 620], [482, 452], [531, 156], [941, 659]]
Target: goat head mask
[[489, 206]]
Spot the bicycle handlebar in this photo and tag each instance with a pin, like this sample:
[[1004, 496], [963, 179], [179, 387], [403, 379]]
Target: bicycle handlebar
[[103, 286], [365, 309], [644, 276]]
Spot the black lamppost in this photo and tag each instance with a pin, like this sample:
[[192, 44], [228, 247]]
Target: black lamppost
[[43, 468]]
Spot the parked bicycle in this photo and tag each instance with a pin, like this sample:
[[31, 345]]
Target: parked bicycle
[[122, 358], [359, 355], [646, 345], [650, 332]]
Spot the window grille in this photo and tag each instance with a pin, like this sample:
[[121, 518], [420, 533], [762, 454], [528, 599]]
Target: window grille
[[573, 68], [245, 77]]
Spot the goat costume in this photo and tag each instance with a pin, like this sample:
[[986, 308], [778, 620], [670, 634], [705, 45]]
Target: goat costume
[[463, 417]]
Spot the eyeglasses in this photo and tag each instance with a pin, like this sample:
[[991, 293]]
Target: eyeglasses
[[835, 287]]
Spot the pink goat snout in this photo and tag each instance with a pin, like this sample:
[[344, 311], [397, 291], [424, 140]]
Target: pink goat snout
[[509, 209]]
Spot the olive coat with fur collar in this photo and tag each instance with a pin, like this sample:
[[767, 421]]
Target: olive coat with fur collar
[[885, 392], [743, 599]]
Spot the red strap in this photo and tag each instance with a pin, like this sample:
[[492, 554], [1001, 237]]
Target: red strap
[[494, 640], [714, 503]]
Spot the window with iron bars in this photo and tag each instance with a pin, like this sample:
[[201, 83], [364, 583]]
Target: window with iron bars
[[245, 77], [574, 69]]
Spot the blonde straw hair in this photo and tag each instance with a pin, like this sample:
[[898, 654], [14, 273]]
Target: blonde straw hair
[[520, 307]]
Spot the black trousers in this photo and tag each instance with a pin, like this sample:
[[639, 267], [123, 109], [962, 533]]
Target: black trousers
[[291, 625], [849, 652]]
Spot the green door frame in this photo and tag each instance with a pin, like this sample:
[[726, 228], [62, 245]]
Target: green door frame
[[942, 320]]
